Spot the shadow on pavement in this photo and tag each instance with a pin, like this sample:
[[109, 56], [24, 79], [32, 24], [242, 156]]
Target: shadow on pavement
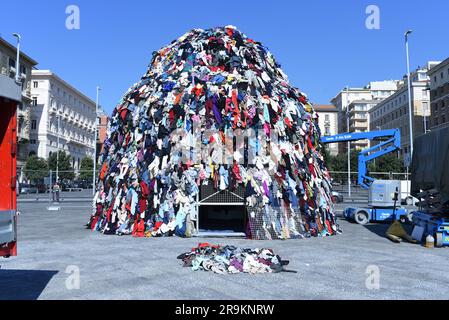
[[23, 284], [381, 228]]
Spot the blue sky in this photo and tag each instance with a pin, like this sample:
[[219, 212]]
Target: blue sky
[[322, 45]]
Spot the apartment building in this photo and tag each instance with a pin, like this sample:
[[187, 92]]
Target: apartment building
[[60, 110], [102, 127], [328, 123], [439, 95], [8, 54], [393, 112], [358, 114], [374, 91]]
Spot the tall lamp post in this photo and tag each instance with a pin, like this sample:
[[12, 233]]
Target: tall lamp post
[[349, 143], [57, 148], [95, 141], [17, 78], [410, 109]]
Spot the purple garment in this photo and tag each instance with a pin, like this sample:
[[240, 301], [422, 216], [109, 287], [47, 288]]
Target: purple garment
[[265, 262], [140, 155], [236, 264], [215, 109], [265, 188]]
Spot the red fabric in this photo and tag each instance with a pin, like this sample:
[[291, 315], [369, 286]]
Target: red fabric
[[236, 171], [145, 191], [109, 212], [312, 170], [94, 222], [138, 228], [142, 205], [236, 108], [329, 227], [103, 171], [157, 225], [123, 113], [216, 69], [205, 245]]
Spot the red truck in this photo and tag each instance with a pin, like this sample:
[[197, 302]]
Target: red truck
[[10, 97]]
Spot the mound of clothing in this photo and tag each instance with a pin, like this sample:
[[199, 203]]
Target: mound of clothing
[[230, 259], [214, 108]]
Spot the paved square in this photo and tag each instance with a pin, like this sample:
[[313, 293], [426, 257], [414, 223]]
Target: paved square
[[113, 267]]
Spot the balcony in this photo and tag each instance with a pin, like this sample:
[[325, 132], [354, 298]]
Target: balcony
[[358, 118]]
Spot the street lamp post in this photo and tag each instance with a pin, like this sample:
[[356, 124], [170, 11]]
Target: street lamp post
[[95, 141], [410, 109], [57, 147], [17, 78], [349, 143]]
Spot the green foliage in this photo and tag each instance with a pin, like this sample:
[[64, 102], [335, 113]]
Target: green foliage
[[36, 169], [339, 163], [64, 167], [389, 163], [86, 169]]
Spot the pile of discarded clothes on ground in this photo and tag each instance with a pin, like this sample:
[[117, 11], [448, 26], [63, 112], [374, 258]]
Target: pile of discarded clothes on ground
[[169, 136], [230, 259]]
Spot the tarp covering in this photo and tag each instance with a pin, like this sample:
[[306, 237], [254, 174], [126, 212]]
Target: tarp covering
[[430, 163]]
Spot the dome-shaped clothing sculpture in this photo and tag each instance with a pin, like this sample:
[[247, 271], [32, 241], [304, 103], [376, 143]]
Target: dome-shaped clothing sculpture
[[213, 110]]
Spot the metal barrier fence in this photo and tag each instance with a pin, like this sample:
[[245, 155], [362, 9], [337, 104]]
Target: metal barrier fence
[[341, 177], [41, 181]]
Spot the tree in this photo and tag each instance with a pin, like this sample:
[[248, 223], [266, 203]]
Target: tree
[[389, 163], [36, 168], [65, 165], [339, 163], [86, 168]]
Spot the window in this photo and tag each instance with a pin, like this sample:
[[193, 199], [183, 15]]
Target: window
[[35, 84], [33, 124], [32, 141], [34, 101], [12, 63], [23, 69], [327, 131]]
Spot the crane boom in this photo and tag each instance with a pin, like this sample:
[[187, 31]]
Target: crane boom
[[390, 142]]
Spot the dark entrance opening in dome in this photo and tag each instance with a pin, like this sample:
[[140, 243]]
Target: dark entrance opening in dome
[[221, 212], [222, 219]]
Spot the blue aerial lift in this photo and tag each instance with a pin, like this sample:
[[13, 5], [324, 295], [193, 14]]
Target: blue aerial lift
[[382, 199]]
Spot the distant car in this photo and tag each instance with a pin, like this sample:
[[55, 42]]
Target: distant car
[[336, 197], [42, 188], [26, 188]]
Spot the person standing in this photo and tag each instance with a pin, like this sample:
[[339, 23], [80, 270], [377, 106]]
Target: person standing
[[56, 190]]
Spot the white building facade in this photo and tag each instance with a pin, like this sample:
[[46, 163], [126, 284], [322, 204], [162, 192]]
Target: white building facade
[[328, 122], [393, 112], [359, 120], [439, 95], [54, 98], [375, 91]]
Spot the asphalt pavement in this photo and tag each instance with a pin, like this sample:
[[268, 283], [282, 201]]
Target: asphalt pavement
[[55, 251]]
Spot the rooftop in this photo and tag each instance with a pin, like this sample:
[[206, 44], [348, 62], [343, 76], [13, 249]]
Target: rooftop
[[5, 43], [50, 74], [438, 67], [325, 108]]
